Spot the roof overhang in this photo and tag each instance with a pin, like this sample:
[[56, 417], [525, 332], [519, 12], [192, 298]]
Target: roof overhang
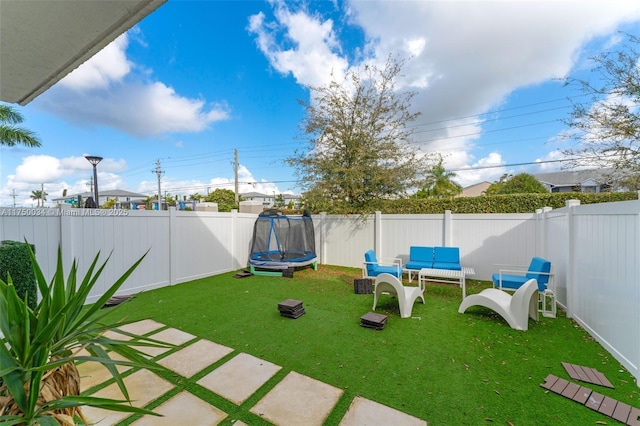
[[41, 41]]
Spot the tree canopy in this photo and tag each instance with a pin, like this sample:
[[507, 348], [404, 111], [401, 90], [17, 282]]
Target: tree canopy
[[607, 124], [10, 133], [522, 183], [225, 198], [439, 183], [357, 142]]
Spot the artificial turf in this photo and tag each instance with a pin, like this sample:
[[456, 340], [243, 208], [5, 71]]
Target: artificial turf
[[441, 366]]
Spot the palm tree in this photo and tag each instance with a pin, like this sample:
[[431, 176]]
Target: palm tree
[[39, 194], [439, 183], [12, 135]]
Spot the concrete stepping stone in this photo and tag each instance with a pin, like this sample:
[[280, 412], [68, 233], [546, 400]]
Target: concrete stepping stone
[[363, 411], [195, 357], [170, 335], [142, 327], [94, 373], [238, 378], [183, 409], [298, 400], [143, 387]]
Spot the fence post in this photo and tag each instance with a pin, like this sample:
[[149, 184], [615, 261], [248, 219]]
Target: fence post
[[235, 264], [541, 231], [571, 258], [323, 242], [377, 233], [173, 267], [446, 229]]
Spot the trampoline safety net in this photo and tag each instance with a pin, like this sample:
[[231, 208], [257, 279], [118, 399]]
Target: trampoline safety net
[[281, 241]]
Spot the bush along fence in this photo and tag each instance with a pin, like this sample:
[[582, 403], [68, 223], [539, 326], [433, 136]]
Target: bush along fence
[[16, 263]]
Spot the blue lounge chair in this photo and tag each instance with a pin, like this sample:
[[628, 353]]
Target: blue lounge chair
[[540, 270], [371, 267]]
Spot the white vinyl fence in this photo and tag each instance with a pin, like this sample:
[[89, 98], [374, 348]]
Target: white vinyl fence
[[594, 250]]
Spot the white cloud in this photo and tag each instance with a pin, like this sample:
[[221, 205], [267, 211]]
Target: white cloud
[[57, 174], [486, 169], [39, 169], [107, 66], [467, 57], [314, 51], [104, 92]]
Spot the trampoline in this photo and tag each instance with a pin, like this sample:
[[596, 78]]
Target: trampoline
[[282, 242]]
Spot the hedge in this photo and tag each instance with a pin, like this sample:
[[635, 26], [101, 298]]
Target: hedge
[[512, 203], [15, 261]]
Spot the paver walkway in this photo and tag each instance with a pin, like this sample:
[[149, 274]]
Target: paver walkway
[[295, 400]]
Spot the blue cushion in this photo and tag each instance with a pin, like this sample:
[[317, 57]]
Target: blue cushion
[[419, 265], [370, 256], [539, 265], [396, 272], [373, 269], [447, 265], [510, 281], [421, 254], [446, 254]]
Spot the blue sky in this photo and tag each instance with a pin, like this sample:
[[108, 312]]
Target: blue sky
[[197, 79]]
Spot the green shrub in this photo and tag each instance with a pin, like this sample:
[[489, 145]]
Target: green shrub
[[511, 203], [15, 261]]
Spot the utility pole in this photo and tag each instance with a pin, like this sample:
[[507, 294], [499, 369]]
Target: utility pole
[[158, 171], [90, 184], [42, 193], [14, 195], [235, 169]]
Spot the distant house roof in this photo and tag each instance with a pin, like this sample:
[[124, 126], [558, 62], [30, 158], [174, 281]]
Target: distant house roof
[[255, 195], [573, 177], [475, 190]]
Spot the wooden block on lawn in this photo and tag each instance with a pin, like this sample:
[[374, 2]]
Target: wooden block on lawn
[[559, 386], [608, 406], [363, 286], [582, 396], [603, 380], [549, 381], [289, 305], [288, 273], [586, 374], [621, 413], [594, 401], [294, 314], [570, 391], [373, 320], [634, 417]]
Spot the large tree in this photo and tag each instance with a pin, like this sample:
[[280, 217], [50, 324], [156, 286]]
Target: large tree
[[522, 183], [10, 133], [607, 124], [439, 183], [357, 142], [225, 198]]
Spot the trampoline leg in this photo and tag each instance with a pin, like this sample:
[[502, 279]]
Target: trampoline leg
[[265, 273], [315, 266]]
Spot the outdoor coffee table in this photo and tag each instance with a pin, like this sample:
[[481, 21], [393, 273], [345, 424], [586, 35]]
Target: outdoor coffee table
[[445, 276]]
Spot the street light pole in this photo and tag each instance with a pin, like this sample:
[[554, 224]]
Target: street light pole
[[94, 160]]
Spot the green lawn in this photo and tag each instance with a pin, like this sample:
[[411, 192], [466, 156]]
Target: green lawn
[[441, 366]]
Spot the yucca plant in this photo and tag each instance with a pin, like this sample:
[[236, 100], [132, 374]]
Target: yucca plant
[[39, 348]]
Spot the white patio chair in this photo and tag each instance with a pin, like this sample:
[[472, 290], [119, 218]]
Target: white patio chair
[[406, 295], [516, 309]]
